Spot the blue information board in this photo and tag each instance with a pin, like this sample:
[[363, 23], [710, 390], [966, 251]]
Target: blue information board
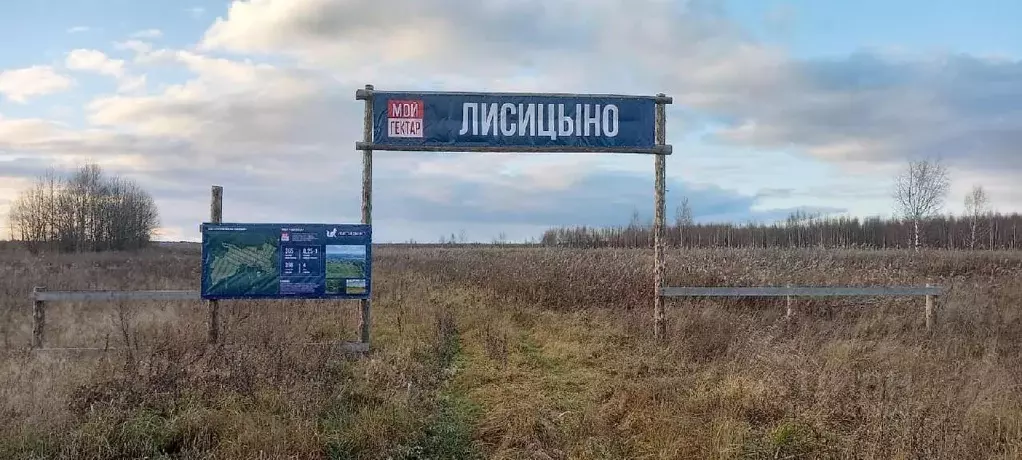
[[286, 261], [509, 121]]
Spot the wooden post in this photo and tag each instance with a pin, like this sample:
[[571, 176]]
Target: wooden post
[[790, 301], [929, 311], [659, 321], [38, 318], [365, 305], [215, 216]]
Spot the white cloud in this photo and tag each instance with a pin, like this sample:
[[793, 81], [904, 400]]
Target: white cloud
[[866, 106], [132, 84], [52, 141], [196, 11], [94, 61], [138, 46], [16, 133], [147, 33], [10, 187], [78, 29], [88, 60], [20, 85], [228, 102], [226, 73], [439, 40]]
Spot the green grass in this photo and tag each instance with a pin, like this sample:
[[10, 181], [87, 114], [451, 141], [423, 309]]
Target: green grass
[[344, 269], [334, 285]]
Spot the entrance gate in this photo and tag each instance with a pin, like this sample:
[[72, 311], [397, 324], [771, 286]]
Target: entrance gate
[[517, 122]]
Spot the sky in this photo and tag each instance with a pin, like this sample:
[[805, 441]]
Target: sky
[[779, 105], [346, 249]]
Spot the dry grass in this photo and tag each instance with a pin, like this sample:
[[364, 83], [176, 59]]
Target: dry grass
[[524, 353]]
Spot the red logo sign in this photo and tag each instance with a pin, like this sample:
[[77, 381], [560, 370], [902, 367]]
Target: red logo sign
[[404, 118], [404, 109]]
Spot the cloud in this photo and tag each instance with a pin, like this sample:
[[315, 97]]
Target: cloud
[[89, 60], [147, 33], [78, 29], [489, 40], [236, 107], [882, 109], [138, 46], [597, 198], [196, 11], [867, 106], [422, 206], [132, 84], [267, 110], [94, 61], [20, 85], [45, 140]]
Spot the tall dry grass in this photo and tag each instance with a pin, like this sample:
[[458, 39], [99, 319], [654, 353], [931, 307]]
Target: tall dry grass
[[848, 378], [524, 353]]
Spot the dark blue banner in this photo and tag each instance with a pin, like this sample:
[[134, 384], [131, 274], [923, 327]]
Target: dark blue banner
[[508, 121], [286, 261]]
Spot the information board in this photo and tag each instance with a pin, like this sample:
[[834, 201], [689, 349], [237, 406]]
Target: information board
[[444, 120], [306, 261]]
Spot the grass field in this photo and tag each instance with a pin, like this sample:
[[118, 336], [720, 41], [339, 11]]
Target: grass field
[[334, 285], [344, 269], [523, 353]]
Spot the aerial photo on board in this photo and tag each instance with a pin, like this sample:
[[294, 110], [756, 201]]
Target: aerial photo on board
[[246, 264], [491, 229]]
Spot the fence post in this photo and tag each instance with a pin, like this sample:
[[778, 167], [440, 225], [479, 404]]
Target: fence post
[[790, 303], [365, 305], [929, 310], [38, 318], [659, 321], [215, 216]]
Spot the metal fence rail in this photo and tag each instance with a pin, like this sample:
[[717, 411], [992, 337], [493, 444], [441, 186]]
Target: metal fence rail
[[348, 347], [799, 291], [85, 296], [790, 292], [40, 296]]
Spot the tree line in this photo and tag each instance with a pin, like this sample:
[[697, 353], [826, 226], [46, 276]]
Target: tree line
[[995, 231], [920, 192], [84, 211]]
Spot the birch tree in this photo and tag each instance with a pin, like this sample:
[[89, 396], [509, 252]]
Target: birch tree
[[976, 204], [920, 191], [682, 219]]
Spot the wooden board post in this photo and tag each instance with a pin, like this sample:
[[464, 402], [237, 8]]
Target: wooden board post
[[216, 206], [659, 321], [929, 311], [38, 318], [365, 305], [790, 304]]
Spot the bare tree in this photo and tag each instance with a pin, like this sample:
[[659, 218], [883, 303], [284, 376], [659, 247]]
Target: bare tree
[[920, 191], [682, 219], [84, 212], [635, 222], [976, 204], [683, 214]]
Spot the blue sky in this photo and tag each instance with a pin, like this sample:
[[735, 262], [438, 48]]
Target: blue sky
[[48, 29], [779, 105], [810, 28], [346, 250]]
